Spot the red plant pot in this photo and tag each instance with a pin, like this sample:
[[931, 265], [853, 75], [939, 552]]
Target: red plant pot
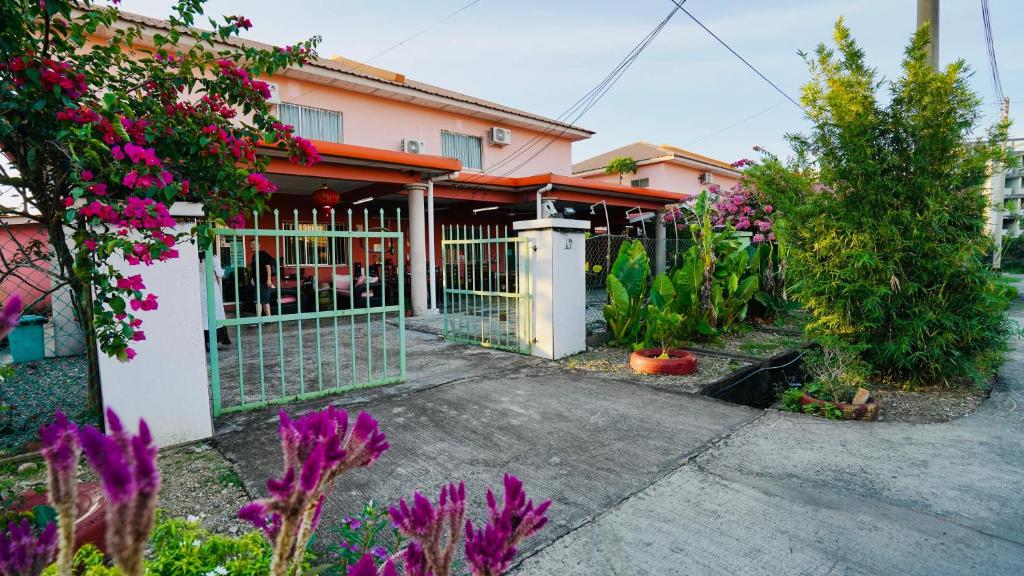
[[91, 526], [678, 363], [867, 411]]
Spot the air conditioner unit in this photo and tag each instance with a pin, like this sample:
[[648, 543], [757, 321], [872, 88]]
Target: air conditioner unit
[[707, 178], [413, 146], [501, 136]]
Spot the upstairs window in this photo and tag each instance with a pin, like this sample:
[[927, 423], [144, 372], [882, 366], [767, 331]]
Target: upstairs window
[[312, 123], [468, 149], [640, 183]]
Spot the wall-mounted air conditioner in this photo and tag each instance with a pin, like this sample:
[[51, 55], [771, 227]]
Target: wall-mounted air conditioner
[[707, 178], [413, 146], [501, 136]]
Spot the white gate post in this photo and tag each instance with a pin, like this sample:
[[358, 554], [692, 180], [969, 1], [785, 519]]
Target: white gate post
[[557, 277], [166, 384]]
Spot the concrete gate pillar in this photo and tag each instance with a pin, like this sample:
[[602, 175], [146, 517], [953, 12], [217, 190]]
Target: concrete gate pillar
[[557, 276], [167, 383], [659, 243], [417, 249]]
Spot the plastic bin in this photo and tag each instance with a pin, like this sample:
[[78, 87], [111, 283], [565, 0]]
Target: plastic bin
[[27, 339]]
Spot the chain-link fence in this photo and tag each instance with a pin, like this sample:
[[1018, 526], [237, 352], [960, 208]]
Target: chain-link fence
[[601, 253], [46, 350]]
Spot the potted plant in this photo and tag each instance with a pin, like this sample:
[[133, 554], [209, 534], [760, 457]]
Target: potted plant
[[836, 385], [662, 326]]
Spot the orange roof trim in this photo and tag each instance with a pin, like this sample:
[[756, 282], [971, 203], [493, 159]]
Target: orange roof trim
[[378, 155], [559, 181]]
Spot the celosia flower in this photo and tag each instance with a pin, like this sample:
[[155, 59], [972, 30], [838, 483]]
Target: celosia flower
[[367, 567], [425, 524], [126, 465], [22, 553], [61, 450], [317, 448], [10, 314], [490, 550]]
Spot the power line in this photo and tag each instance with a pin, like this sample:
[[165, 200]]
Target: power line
[[731, 126], [570, 116], [421, 32], [737, 54], [997, 84]]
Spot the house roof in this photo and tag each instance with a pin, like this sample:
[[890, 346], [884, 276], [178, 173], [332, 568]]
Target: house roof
[[378, 76], [647, 153]]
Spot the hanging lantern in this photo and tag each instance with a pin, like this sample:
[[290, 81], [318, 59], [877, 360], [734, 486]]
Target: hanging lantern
[[325, 198]]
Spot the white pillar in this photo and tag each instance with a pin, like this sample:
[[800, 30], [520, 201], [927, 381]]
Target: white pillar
[[417, 249], [557, 284], [659, 243], [431, 248], [166, 383]]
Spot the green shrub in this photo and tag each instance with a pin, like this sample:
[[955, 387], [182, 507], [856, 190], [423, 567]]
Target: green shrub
[[887, 249], [627, 290]]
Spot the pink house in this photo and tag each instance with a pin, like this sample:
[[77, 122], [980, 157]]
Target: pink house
[[666, 167]]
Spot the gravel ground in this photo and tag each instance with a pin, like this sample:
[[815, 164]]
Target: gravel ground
[[196, 481], [756, 343], [34, 392], [927, 405], [612, 361]]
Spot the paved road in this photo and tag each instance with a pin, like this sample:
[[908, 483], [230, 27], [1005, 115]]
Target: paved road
[[471, 414], [789, 494]]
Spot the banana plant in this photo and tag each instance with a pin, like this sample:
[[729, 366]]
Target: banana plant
[[627, 290]]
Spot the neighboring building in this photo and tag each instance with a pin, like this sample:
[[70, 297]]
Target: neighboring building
[[666, 167], [1006, 192]]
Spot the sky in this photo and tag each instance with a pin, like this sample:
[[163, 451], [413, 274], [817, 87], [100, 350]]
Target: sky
[[685, 89]]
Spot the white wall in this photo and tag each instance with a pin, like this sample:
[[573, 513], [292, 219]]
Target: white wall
[[166, 383]]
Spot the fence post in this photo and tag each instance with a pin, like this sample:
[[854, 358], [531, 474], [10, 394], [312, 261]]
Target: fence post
[[555, 254], [166, 384], [659, 243]]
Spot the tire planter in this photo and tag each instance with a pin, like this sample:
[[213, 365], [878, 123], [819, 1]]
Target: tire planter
[[867, 411], [91, 526], [678, 363]]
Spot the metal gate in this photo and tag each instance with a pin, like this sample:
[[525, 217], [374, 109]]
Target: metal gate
[[336, 299], [486, 278]]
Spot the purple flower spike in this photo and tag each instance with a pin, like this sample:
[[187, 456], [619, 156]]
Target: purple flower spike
[[490, 550], [126, 463], [317, 447], [22, 553], [425, 524], [367, 567], [416, 561], [10, 314]]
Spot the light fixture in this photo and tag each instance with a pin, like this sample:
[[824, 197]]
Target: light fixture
[[487, 209], [363, 200], [325, 198]]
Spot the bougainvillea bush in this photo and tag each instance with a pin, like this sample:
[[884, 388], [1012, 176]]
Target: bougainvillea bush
[[885, 217], [105, 128], [318, 448]]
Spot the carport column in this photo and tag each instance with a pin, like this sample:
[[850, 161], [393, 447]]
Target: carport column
[[166, 384], [659, 243], [417, 249], [557, 285]]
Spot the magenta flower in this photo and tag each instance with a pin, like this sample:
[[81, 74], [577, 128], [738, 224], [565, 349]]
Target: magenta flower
[[22, 553], [426, 524], [318, 447], [490, 550], [10, 314], [367, 567], [126, 465]]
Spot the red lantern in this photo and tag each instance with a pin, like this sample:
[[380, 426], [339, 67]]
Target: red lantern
[[325, 197]]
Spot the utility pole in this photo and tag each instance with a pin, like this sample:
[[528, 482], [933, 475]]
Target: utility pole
[[928, 11]]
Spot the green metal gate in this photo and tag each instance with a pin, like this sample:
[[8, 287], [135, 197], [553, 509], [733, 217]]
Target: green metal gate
[[486, 278], [337, 301]]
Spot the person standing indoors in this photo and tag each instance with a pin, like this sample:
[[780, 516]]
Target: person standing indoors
[[262, 265]]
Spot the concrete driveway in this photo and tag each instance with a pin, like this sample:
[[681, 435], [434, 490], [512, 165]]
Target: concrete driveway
[[472, 414], [791, 494]]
